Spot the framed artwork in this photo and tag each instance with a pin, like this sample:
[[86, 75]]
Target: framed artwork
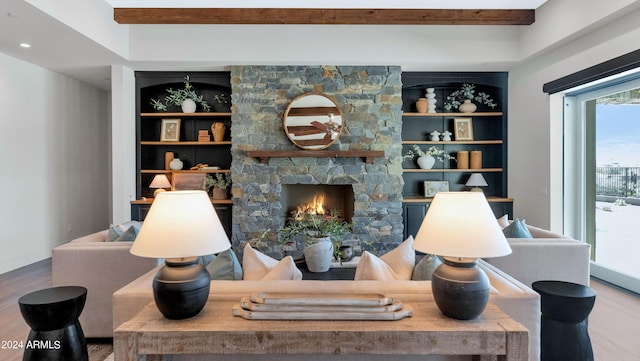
[[433, 187], [170, 131], [182, 181], [463, 129]]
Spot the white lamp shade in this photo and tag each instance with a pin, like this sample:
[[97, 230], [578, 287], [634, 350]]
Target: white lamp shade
[[461, 224], [476, 180], [180, 224], [160, 181]]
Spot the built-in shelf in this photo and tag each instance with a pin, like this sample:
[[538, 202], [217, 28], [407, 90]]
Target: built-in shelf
[[206, 115], [440, 170], [155, 142], [265, 155], [150, 200], [426, 142], [479, 114], [429, 199], [169, 171]]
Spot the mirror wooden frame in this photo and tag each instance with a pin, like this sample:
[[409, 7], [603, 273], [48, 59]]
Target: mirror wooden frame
[[313, 121]]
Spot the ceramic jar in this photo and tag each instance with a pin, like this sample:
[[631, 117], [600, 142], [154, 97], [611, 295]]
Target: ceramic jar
[[422, 105], [467, 107], [426, 161], [176, 164], [188, 106]]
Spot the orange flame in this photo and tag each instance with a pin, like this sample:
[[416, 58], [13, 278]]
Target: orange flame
[[315, 207]]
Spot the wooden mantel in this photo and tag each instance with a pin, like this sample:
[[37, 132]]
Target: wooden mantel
[[265, 155]]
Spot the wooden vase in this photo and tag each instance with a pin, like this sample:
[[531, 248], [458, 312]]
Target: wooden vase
[[220, 193], [422, 105], [218, 130]]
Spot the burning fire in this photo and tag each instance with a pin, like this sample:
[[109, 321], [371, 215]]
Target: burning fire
[[315, 207]]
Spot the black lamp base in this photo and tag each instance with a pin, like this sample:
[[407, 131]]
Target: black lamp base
[[181, 288], [460, 288]]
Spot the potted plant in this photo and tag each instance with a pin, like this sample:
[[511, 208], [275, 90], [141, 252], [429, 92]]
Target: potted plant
[[320, 232], [463, 98], [220, 184], [186, 98], [426, 159]]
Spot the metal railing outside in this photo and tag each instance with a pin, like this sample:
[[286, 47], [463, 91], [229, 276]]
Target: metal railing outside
[[618, 181]]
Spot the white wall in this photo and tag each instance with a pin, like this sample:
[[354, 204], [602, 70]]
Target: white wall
[[54, 155], [534, 169]]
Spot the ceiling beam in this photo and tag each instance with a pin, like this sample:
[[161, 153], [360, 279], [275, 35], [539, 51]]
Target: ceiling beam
[[322, 16]]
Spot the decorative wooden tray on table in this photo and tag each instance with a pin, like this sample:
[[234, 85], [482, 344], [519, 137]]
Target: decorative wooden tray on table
[[309, 306]]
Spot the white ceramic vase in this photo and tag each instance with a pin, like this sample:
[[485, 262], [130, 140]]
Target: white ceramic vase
[[176, 164], [318, 254], [188, 106], [426, 161], [467, 107]]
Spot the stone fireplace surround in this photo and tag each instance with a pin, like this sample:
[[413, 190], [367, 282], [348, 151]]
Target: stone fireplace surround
[[370, 98]]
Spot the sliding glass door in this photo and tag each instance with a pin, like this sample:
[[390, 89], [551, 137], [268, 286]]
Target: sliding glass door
[[602, 178]]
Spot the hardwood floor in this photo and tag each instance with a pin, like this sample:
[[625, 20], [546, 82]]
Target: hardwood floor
[[614, 323]]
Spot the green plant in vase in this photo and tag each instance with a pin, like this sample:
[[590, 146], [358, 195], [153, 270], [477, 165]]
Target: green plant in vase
[[464, 97], [186, 97], [220, 184], [322, 235]]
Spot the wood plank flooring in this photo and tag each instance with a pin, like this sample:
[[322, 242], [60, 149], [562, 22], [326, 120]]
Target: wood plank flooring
[[614, 323]]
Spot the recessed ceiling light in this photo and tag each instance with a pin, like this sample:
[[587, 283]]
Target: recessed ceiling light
[[25, 45]]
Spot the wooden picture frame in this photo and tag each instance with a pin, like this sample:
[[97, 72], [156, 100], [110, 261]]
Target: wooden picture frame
[[433, 187], [182, 181], [462, 129], [170, 130]]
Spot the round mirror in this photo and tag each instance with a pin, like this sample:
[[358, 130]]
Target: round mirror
[[313, 121]]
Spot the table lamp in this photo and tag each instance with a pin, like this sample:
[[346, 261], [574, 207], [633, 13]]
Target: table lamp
[[181, 226], [161, 183], [475, 181], [460, 227]]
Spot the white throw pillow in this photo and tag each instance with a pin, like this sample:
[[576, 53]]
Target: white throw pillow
[[503, 221], [397, 264], [258, 266]]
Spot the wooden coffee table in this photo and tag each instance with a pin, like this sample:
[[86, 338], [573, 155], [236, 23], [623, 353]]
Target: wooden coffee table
[[493, 335]]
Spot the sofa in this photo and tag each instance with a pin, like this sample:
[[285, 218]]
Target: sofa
[[101, 267], [514, 298], [546, 256]]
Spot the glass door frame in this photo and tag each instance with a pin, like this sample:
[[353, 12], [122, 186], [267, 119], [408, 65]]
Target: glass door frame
[[579, 138]]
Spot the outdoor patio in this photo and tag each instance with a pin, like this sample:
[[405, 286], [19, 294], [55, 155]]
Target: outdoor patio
[[618, 237]]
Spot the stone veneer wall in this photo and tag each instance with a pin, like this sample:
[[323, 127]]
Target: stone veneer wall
[[370, 98]]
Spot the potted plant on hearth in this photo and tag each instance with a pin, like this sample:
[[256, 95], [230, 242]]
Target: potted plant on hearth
[[463, 99], [321, 234], [186, 98], [220, 184]]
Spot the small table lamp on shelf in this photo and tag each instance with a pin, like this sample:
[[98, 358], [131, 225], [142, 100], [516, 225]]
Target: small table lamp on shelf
[[475, 181], [460, 227], [161, 183], [181, 226]]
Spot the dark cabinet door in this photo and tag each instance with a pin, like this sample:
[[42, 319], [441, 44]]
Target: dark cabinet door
[[413, 215]]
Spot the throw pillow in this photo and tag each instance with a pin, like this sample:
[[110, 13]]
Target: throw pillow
[[517, 229], [115, 234], [258, 266], [425, 268], [225, 266], [397, 264], [503, 221]]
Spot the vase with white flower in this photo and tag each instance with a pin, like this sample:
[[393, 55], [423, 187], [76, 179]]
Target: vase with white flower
[[466, 98], [427, 159]]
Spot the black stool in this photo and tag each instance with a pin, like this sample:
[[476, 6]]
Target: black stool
[[52, 314], [565, 308]]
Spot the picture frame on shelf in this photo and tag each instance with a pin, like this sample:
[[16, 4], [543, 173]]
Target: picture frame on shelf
[[170, 130], [463, 129], [433, 187], [182, 181]]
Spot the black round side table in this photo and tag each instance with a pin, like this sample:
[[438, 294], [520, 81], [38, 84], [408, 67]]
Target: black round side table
[[565, 307], [52, 314]]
